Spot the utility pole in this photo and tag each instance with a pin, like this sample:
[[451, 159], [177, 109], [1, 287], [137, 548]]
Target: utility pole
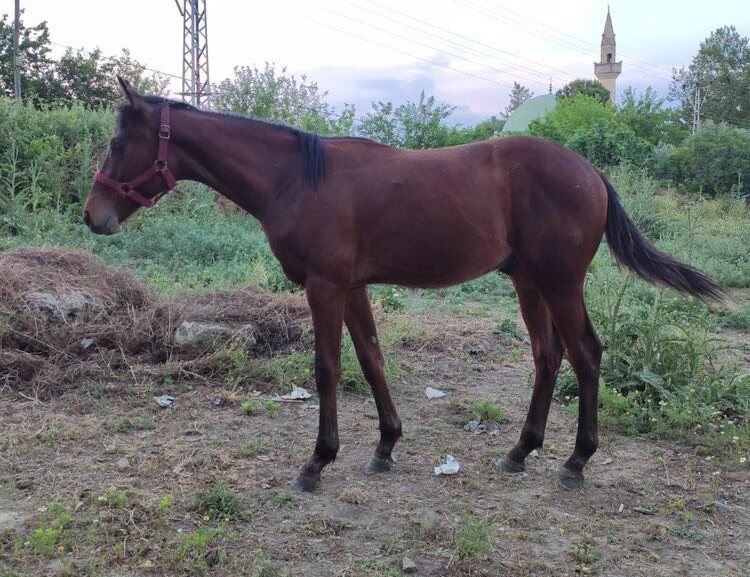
[[16, 55], [697, 108], [195, 81]]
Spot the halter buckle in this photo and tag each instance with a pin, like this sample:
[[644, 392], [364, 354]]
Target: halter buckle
[[165, 131]]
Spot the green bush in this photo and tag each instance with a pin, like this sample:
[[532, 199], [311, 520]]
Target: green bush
[[715, 161], [593, 129], [47, 157]]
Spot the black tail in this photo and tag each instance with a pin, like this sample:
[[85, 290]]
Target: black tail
[[632, 249]]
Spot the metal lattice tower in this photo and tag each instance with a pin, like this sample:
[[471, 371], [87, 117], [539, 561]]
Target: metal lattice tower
[[195, 82]]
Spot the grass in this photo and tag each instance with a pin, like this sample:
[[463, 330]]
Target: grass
[[585, 556], [112, 497], [220, 505], [251, 406], [487, 410], [473, 539], [257, 447], [200, 549]]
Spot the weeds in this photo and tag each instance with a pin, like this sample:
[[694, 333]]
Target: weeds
[[51, 537], [585, 556], [251, 406], [220, 504], [487, 411], [257, 447], [112, 498], [473, 539], [200, 549]]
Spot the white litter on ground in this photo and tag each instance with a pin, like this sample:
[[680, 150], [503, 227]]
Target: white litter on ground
[[164, 401], [431, 393], [297, 394], [450, 467]]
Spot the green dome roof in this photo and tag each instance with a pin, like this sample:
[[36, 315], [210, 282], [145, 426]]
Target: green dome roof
[[533, 108]]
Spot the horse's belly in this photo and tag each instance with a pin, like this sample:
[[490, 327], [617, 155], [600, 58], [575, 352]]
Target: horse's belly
[[433, 257]]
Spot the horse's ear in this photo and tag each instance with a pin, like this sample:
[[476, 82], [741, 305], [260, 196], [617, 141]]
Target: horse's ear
[[133, 97]]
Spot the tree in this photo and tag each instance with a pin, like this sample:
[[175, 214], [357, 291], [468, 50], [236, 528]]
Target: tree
[[91, 78], [592, 128], [646, 115], [411, 125], [721, 69], [36, 66], [87, 77], [569, 115], [278, 96], [727, 171], [518, 96], [592, 88]]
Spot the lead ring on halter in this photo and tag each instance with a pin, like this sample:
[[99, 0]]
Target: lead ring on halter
[[129, 189]]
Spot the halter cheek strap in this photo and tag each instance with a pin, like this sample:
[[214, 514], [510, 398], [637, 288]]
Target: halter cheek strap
[[159, 168]]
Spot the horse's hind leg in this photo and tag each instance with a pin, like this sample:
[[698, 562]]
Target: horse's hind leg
[[359, 321], [547, 349], [584, 353]]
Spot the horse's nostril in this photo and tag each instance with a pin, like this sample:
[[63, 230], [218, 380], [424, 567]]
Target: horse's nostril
[[86, 218]]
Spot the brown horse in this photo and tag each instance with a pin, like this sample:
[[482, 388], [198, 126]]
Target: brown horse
[[342, 213]]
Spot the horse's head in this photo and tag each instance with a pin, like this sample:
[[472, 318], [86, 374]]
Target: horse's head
[[135, 172]]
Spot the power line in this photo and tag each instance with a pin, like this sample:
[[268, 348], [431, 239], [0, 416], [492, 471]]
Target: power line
[[587, 44], [405, 53], [497, 16], [152, 70], [431, 47], [544, 76], [575, 43]]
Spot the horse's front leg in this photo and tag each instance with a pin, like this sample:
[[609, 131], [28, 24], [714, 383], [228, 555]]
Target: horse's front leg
[[327, 303], [359, 321]]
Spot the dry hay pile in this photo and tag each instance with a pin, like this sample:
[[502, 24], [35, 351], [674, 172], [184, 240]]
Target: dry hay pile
[[64, 317]]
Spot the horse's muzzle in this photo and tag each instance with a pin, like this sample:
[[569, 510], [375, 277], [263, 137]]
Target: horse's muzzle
[[109, 226]]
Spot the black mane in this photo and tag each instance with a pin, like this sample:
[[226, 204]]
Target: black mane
[[311, 144]]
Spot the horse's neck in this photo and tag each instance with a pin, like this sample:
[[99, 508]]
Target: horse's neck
[[247, 162]]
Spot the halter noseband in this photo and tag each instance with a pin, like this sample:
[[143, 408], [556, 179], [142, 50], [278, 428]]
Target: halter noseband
[[159, 168]]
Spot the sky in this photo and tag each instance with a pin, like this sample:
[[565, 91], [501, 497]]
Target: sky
[[465, 52]]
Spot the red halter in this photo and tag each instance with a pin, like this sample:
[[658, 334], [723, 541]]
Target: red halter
[[159, 168]]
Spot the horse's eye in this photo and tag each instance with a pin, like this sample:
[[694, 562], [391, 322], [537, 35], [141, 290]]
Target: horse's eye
[[115, 145]]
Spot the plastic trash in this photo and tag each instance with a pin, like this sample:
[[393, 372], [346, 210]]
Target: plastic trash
[[164, 401], [450, 467], [297, 394], [431, 393]]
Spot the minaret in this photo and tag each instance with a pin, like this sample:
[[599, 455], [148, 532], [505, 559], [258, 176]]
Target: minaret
[[608, 69]]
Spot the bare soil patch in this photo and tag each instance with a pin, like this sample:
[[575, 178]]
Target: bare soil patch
[[96, 479]]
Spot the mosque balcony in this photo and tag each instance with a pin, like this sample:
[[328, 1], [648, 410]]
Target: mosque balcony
[[603, 68]]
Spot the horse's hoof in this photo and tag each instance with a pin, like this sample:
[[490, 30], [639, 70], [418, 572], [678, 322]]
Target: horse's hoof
[[510, 466], [571, 479], [379, 465], [306, 484]]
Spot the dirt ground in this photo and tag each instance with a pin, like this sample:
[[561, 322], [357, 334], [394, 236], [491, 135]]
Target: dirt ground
[[648, 508]]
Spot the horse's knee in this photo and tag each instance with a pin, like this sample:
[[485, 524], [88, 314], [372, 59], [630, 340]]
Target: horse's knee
[[327, 371]]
